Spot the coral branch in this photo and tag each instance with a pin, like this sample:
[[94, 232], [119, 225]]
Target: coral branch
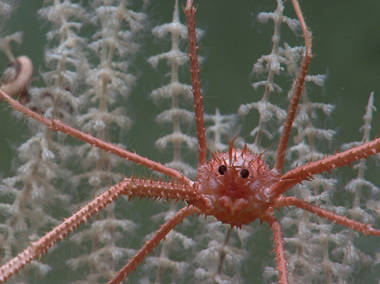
[[19, 83]]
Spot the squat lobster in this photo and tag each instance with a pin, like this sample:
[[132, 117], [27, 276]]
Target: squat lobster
[[236, 187]]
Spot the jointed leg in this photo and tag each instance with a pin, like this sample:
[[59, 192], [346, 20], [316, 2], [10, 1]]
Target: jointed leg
[[40, 247], [130, 187], [57, 125], [190, 12], [305, 172], [279, 250], [297, 90], [354, 225], [152, 243]]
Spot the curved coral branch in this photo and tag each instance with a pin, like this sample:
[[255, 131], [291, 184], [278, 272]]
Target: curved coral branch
[[23, 74]]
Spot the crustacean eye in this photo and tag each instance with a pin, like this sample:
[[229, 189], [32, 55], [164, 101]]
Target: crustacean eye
[[244, 173], [222, 169]]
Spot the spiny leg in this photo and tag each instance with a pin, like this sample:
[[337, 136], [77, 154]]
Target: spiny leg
[[305, 172], [130, 187], [222, 251], [57, 125], [366, 229], [297, 89], [152, 243], [279, 249], [194, 69], [40, 247], [192, 43]]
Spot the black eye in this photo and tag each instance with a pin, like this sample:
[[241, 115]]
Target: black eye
[[244, 173], [222, 169]]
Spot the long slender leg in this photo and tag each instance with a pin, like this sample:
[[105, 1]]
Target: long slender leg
[[366, 229], [305, 172], [222, 254], [194, 69], [40, 247], [130, 187], [152, 243], [279, 250], [57, 125], [297, 89]]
